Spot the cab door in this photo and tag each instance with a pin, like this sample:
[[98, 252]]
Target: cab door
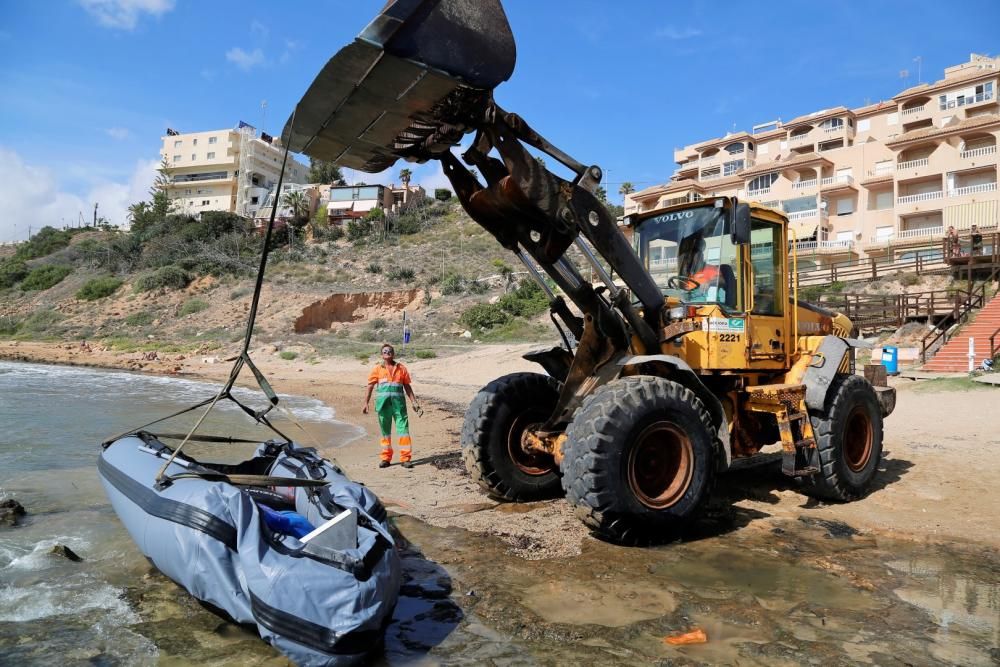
[[766, 296]]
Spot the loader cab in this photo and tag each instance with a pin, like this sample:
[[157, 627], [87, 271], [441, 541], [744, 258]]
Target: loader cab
[[726, 266]]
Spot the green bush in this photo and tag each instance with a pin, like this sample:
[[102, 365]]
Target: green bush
[[44, 277], [378, 323], [40, 321], [425, 354], [406, 223], [167, 277], [45, 242], [908, 279], [98, 288], [442, 194], [452, 283], [191, 307], [485, 316], [288, 355], [141, 319], [12, 271], [358, 229], [527, 300], [401, 275], [374, 268], [8, 325]]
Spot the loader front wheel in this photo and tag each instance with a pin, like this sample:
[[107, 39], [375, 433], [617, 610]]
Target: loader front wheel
[[639, 460], [491, 437], [849, 440]]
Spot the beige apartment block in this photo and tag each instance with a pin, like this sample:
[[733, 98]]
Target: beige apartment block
[[880, 182], [225, 170]]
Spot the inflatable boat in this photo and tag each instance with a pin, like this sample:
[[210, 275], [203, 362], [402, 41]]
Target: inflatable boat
[[313, 567]]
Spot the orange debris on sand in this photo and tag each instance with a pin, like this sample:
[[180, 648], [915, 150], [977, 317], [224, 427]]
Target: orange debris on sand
[[696, 636]]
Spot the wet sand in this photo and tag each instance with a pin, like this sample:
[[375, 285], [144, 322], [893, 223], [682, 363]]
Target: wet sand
[[940, 478]]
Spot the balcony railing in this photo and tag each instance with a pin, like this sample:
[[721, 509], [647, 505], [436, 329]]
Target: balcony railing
[[914, 110], [920, 233], [758, 193], [911, 164], [811, 213], [834, 128], [843, 179], [881, 171], [820, 246], [799, 185], [800, 140], [966, 101], [709, 177], [978, 152], [926, 196], [972, 189]]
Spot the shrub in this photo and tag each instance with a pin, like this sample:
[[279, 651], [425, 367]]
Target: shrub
[[98, 288], [909, 279], [442, 194], [406, 223], [378, 323], [425, 354], [452, 283], [288, 355], [12, 271], [45, 242], [485, 316], [358, 229], [374, 268], [191, 307], [401, 275], [526, 301], [239, 293], [167, 277], [40, 321], [141, 319], [8, 325], [44, 277]]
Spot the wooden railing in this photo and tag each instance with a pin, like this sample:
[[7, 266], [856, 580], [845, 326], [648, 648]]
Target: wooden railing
[[867, 310], [994, 347], [867, 270]]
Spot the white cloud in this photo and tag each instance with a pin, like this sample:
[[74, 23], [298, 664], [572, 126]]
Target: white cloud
[[119, 133], [32, 197], [258, 29], [243, 59], [124, 14], [674, 33]]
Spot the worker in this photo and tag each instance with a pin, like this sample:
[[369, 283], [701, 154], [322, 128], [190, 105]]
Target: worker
[[393, 381]]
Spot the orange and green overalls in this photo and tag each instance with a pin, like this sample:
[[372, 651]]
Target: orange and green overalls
[[390, 404]]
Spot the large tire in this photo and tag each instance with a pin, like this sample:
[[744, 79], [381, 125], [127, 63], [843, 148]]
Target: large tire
[[639, 460], [491, 437], [849, 439]]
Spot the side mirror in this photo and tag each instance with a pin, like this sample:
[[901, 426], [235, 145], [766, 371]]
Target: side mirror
[[741, 224]]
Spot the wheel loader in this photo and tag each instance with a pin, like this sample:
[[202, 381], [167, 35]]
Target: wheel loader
[[691, 352]]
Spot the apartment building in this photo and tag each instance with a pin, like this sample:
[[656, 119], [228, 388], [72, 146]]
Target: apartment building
[[225, 170], [879, 182]]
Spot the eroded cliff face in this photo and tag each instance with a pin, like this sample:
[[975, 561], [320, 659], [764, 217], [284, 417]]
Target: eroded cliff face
[[356, 307]]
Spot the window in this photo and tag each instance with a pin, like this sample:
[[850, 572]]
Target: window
[[177, 144], [845, 206], [883, 200], [763, 181], [254, 200], [764, 149], [206, 202], [730, 168], [845, 236], [892, 119], [864, 125], [193, 157], [187, 191], [884, 233], [212, 140], [832, 124], [766, 255], [194, 142], [210, 155], [735, 148], [177, 158]]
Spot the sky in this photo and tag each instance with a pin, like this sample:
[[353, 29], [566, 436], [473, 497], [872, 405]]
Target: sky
[[88, 87]]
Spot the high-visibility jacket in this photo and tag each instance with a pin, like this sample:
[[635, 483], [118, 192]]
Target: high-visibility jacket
[[389, 382]]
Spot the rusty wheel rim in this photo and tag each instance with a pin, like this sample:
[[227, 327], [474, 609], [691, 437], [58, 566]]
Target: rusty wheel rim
[[859, 435], [661, 465], [527, 462]]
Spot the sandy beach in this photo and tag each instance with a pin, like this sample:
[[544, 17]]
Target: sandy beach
[[938, 482]]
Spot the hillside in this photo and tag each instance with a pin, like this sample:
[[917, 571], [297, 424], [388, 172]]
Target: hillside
[[178, 285]]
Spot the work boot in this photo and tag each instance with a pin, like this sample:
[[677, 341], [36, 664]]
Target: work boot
[[383, 464], [407, 464]]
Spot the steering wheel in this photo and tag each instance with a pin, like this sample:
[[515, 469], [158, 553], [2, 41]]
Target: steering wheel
[[686, 283]]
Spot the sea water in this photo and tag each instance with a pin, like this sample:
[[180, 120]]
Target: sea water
[[52, 421]]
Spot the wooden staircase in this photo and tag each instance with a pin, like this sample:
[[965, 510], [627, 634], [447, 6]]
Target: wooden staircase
[[953, 357]]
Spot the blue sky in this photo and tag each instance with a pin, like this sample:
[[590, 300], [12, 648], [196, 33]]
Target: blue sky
[[87, 87]]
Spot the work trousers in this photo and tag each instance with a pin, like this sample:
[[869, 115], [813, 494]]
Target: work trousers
[[388, 408]]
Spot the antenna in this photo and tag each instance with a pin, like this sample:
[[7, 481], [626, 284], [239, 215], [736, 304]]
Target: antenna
[[263, 114], [920, 61]]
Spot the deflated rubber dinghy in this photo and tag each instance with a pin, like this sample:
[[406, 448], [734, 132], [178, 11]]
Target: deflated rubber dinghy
[[325, 601]]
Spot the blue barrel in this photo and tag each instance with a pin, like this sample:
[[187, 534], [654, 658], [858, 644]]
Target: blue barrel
[[890, 359]]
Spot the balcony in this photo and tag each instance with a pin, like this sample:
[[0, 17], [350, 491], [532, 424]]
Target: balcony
[[800, 140], [972, 189], [966, 101], [710, 177], [977, 152], [913, 111], [825, 246], [838, 182], [913, 164], [926, 196], [802, 185], [754, 194], [803, 215]]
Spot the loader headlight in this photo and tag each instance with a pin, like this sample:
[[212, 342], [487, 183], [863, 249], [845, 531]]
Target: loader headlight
[[678, 313]]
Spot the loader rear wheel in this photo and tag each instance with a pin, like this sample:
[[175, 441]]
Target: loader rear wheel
[[491, 437], [848, 439], [639, 460]]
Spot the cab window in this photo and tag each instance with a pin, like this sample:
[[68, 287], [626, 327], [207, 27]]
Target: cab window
[[766, 255]]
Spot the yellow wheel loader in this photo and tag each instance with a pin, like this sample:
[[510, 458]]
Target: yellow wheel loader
[[691, 354]]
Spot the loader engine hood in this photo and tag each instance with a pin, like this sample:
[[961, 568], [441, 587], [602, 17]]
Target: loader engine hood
[[410, 85]]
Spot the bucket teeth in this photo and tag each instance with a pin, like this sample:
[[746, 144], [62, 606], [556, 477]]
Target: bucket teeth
[[417, 78]]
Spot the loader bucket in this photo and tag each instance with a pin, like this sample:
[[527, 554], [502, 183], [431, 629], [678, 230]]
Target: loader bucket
[[410, 85]]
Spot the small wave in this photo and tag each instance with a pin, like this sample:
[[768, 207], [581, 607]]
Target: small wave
[[43, 600], [40, 556]]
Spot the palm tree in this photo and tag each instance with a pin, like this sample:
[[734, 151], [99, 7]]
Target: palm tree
[[405, 175], [297, 201], [137, 211], [626, 189]]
